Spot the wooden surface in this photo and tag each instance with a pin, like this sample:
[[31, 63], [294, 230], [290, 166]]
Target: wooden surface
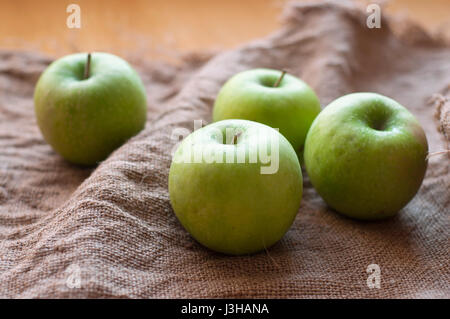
[[154, 26]]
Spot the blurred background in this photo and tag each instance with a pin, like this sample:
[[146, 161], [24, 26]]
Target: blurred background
[[159, 27]]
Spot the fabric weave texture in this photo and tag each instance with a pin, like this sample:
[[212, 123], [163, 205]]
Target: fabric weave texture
[[111, 231]]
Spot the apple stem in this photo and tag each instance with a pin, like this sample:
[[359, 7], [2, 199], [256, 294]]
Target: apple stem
[[235, 138], [283, 72], [87, 66]]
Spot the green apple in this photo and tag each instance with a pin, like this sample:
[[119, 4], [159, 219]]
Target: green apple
[[365, 154], [235, 186], [85, 110], [270, 97]]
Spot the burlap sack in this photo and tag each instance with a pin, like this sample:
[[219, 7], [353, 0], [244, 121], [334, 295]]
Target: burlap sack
[[110, 232]]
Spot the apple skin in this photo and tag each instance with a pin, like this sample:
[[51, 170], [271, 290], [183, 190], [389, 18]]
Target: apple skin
[[291, 107], [231, 207], [84, 120], [365, 154]]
